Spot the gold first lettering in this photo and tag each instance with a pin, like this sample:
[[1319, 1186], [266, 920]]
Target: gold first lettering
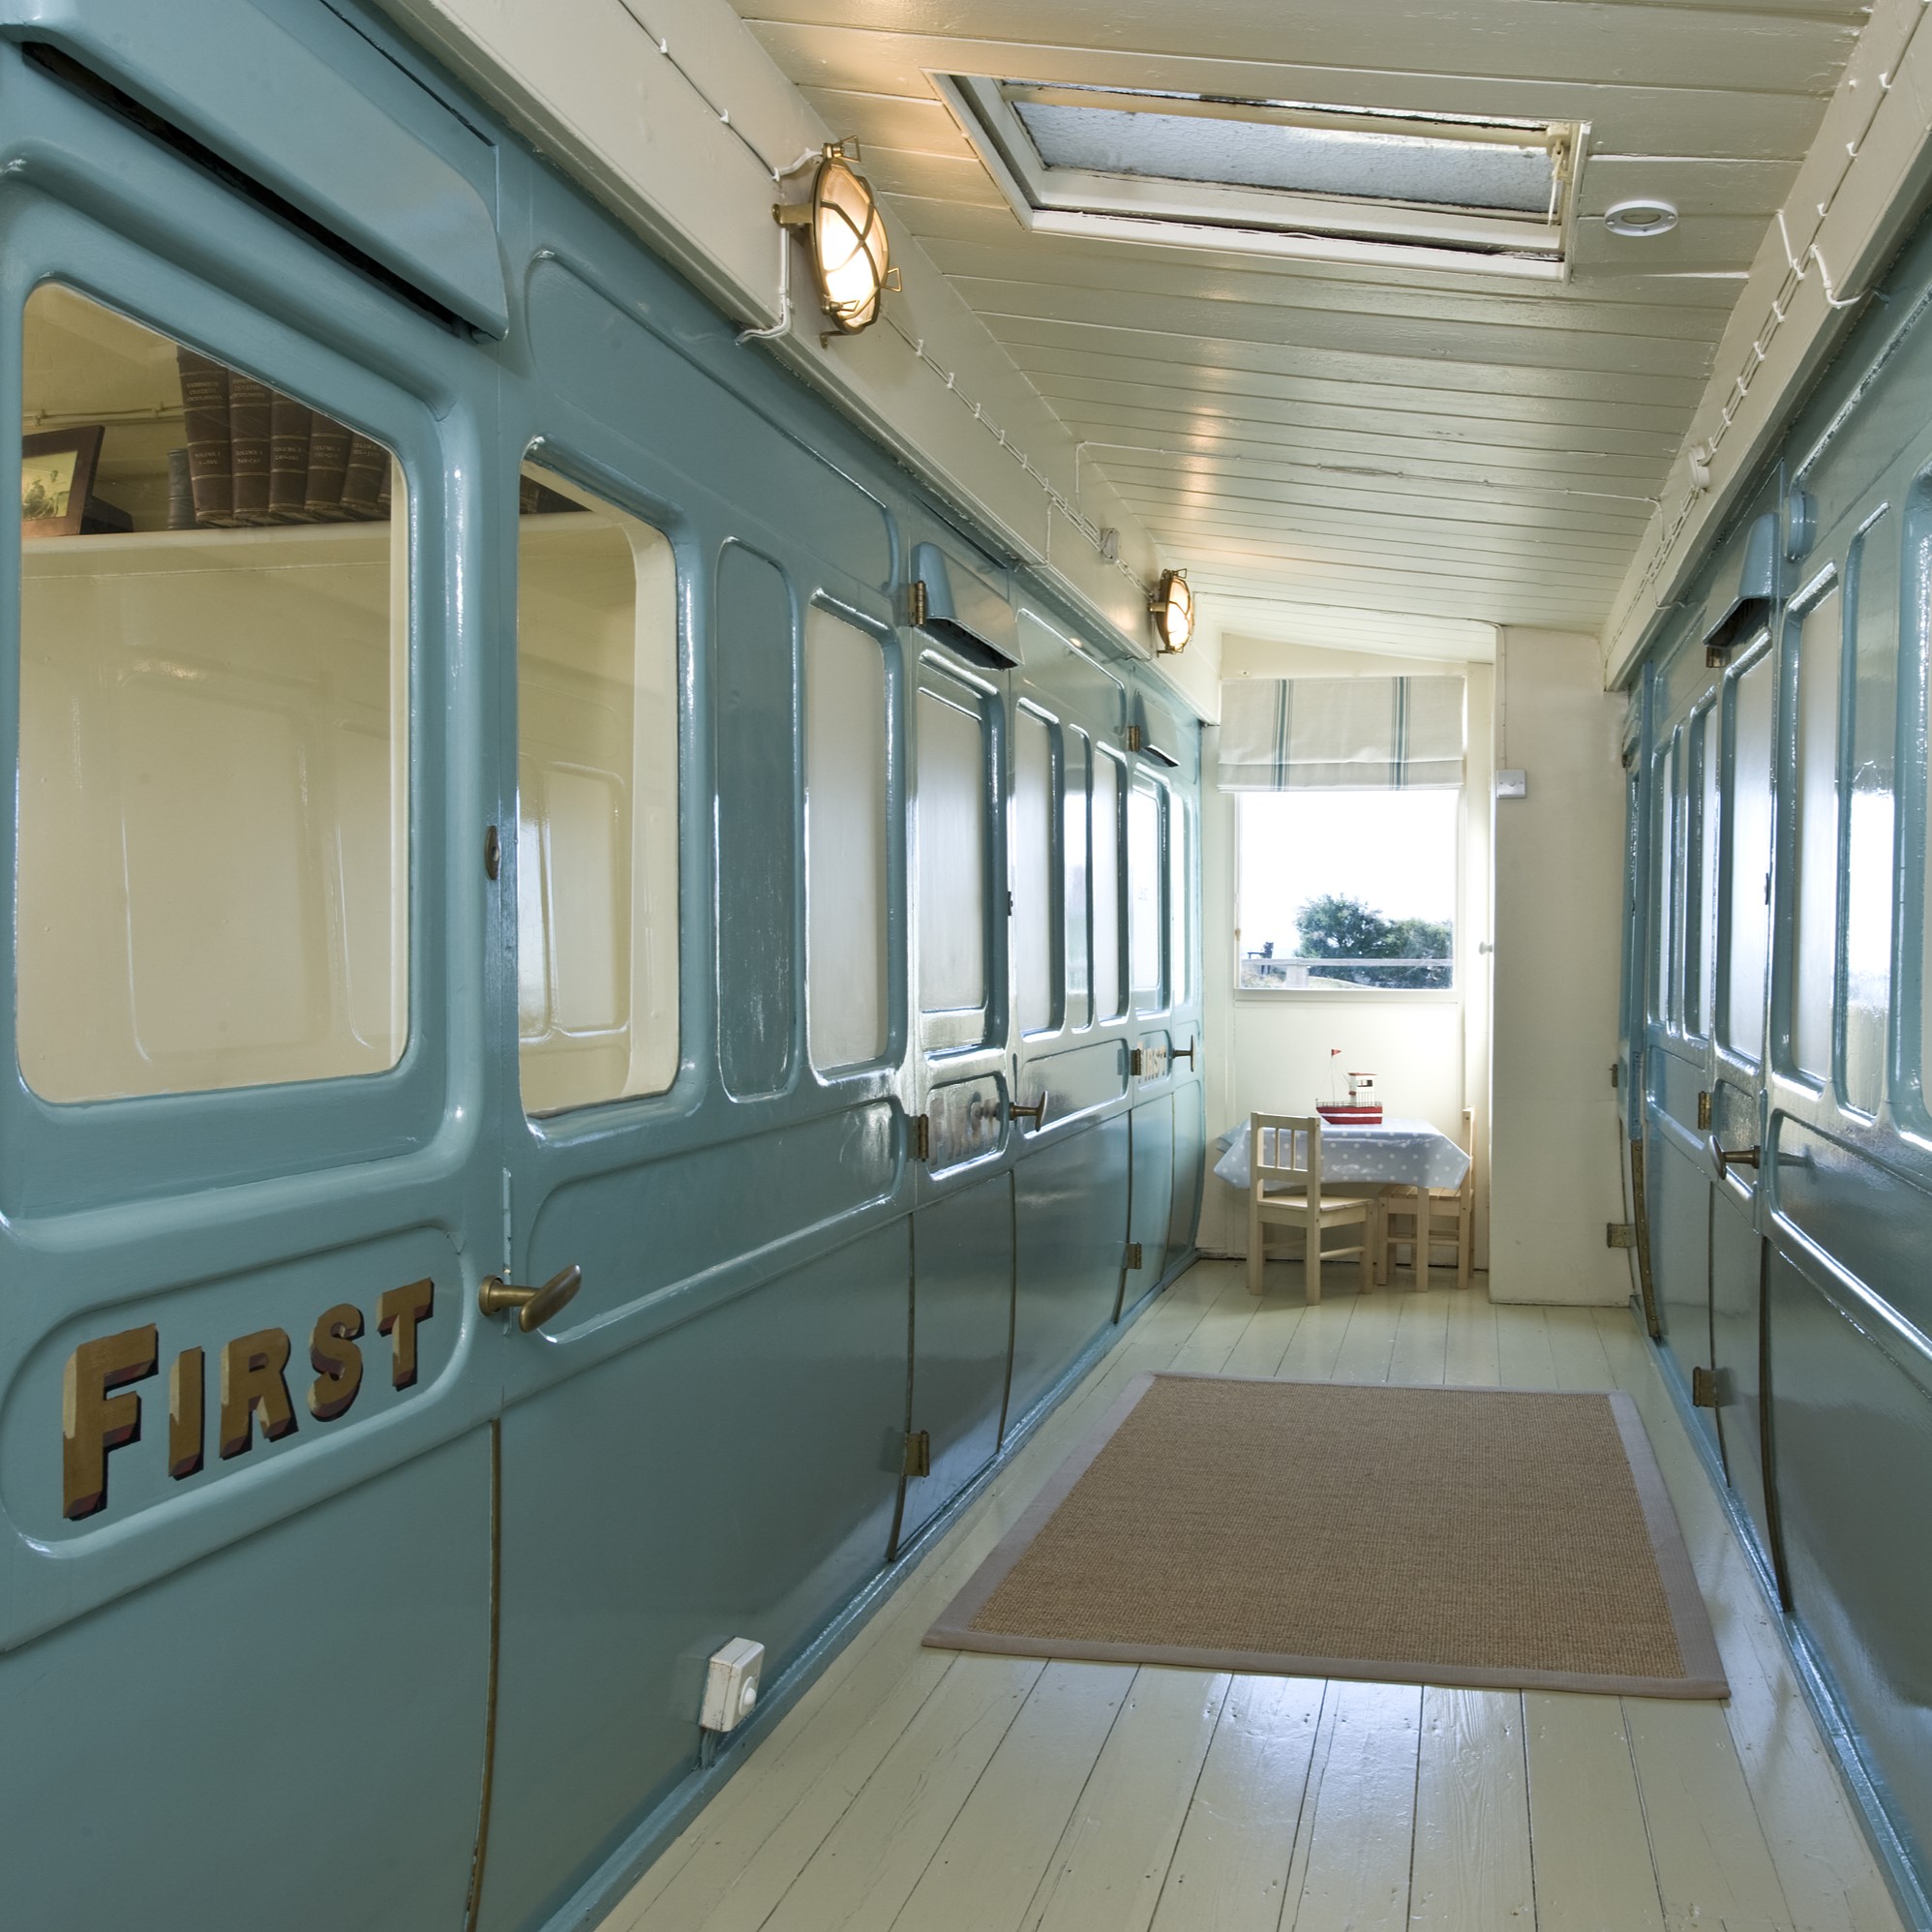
[[397, 1312], [100, 1413], [94, 1419], [254, 1376]]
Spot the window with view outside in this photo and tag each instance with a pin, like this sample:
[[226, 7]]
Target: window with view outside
[[1346, 889]]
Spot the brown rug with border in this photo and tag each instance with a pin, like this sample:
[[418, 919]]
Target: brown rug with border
[[1501, 1538]]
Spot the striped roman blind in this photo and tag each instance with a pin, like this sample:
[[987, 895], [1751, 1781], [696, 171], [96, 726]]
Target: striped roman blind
[[1333, 734]]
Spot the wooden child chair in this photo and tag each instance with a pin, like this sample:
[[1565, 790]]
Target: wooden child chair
[[1435, 1217], [1287, 1188]]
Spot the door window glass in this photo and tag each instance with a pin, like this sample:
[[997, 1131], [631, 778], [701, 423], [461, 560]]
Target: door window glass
[[1684, 861], [1073, 822], [1747, 891], [1815, 956], [1663, 871], [1034, 893], [1110, 995], [951, 819], [846, 1011], [1180, 900], [213, 844], [1872, 636], [596, 799], [1701, 962], [1144, 823]]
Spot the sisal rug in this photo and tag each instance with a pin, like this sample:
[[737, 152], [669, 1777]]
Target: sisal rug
[[1483, 1537]]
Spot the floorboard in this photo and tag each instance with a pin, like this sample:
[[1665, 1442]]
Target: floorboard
[[923, 1791]]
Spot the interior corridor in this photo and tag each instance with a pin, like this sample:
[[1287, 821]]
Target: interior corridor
[[938, 1792]]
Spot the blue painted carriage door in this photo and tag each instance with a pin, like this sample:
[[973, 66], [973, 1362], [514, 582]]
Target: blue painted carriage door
[[244, 1450], [1684, 775], [1151, 1190], [704, 1444], [1735, 1244], [1071, 1188], [964, 1226]]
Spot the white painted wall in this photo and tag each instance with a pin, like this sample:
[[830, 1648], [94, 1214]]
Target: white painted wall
[[1428, 1052], [1553, 1138]]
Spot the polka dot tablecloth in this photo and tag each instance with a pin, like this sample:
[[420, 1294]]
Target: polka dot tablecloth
[[1399, 1152]]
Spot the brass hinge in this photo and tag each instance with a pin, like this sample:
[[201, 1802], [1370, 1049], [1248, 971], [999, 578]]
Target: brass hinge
[[1134, 1254], [917, 600], [1616, 1075], [1137, 1061], [1703, 1114], [919, 1452], [1133, 737], [922, 1136], [1620, 1234], [1705, 1389]]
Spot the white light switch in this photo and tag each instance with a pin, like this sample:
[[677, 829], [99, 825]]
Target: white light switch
[[1512, 784], [731, 1684]]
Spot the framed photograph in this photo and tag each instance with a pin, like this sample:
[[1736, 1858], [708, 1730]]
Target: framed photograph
[[56, 479]]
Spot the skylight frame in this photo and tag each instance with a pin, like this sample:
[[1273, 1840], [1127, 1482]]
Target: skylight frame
[[1171, 212]]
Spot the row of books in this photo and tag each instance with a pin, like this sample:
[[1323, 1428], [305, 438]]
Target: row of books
[[256, 456]]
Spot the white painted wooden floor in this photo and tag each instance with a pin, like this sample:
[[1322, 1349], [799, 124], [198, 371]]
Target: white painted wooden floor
[[934, 1792]]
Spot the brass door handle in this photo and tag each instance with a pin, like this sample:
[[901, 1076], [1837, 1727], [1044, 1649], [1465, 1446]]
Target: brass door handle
[[533, 1306], [1036, 1113], [1727, 1157]]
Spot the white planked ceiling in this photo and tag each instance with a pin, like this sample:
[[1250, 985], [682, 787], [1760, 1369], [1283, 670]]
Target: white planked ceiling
[[1343, 439]]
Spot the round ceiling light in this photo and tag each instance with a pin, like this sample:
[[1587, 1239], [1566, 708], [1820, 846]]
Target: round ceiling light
[[851, 258], [1172, 609], [1643, 216]]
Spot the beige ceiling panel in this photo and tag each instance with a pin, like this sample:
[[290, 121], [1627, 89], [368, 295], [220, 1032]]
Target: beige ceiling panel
[[1365, 491], [1529, 39], [1227, 391], [1693, 185], [1220, 353], [1090, 400], [1558, 550], [1698, 241], [1548, 607], [1355, 452], [1665, 115], [1135, 272], [1529, 570], [997, 226], [914, 124], [911, 178], [1103, 435], [1188, 529], [1239, 617], [1358, 334], [1359, 516]]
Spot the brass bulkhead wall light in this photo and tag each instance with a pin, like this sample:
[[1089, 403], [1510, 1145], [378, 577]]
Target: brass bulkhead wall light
[[1172, 609], [846, 233]]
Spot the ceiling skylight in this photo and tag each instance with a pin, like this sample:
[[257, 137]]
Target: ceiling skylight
[[1276, 177]]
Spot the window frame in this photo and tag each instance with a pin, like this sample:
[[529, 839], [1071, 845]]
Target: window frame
[[59, 1153], [543, 454], [1418, 995]]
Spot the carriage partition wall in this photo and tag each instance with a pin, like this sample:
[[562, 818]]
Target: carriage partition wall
[[693, 915], [1777, 984]]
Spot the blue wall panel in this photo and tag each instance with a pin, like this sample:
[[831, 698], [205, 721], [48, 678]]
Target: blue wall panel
[[733, 1478], [708, 1442], [1854, 1489], [962, 1306], [198, 1755], [1071, 1223]]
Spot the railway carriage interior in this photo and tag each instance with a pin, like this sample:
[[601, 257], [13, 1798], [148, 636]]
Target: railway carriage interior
[[1048, 1051]]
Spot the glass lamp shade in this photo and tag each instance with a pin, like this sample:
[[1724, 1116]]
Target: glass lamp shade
[[1173, 608], [849, 247]]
